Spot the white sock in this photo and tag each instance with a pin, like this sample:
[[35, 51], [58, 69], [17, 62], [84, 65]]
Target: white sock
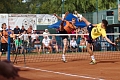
[[93, 58], [63, 57]]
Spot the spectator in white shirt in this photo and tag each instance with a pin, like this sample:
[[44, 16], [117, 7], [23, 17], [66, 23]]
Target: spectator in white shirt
[[24, 38], [34, 35], [73, 44], [46, 44], [46, 33]]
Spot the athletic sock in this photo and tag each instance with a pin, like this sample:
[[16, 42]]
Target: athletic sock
[[93, 58], [63, 57]]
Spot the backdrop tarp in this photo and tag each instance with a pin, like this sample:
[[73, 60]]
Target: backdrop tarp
[[69, 18]]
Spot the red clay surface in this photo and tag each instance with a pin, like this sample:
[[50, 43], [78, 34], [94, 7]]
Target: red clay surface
[[78, 69]]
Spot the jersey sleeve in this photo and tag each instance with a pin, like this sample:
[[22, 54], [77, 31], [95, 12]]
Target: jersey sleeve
[[103, 33], [98, 25]]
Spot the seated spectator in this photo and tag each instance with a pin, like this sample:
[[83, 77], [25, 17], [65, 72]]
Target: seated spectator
[[16, 30], [78, 37], [30, 30], [37, 44], [9, 30], [73, 44], [46, 44], [82, 45], [18, 45], [46, 33], [12, 37], [22, 29], [54, 43], [34, 35]]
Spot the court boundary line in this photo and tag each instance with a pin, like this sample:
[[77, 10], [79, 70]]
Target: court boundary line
[[62, 73]]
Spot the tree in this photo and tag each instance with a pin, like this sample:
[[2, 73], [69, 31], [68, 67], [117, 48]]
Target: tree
[[54, 6]]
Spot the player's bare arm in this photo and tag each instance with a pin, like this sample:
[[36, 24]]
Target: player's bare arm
[[108, 40], [95, 25], [60, 17]]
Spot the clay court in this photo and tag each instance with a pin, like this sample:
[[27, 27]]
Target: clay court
[[50, 66]]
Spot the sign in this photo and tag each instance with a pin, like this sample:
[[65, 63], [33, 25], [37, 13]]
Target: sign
[[46, 19], [20, 20], [3, 19]]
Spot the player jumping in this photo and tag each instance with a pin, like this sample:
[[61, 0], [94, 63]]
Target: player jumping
[[95, 31], [67, 29]]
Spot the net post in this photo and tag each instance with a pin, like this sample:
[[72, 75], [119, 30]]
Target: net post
[[24, 52], [8, 55]]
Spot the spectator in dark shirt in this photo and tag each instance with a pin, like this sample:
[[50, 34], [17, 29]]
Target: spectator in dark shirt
[[22, 29], [16, 30]]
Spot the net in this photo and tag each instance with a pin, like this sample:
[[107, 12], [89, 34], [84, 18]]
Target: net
[[102, 49]]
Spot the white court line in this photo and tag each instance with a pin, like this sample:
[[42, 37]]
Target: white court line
[[61, 73]]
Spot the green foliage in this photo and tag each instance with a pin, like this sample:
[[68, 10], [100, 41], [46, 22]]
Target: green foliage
[[55, 6]]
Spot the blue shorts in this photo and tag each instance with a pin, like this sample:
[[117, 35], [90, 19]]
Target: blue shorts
[[89, 28]]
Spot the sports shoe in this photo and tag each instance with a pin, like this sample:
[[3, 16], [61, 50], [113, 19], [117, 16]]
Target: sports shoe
[[93, 62], [64, 60], [80, 17]]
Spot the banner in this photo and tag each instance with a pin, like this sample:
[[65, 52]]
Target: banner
[[46, 19], [20, 20], [3, 19]]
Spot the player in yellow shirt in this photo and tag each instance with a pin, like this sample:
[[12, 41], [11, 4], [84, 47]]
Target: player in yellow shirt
[[95, 31]]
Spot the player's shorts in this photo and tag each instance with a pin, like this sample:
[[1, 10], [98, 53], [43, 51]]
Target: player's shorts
[[4, 47], [89, 28], [64, 32]]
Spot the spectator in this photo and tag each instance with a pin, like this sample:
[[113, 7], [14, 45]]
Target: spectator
[[46, 44], [78, 37], [18, 45], [9, 30], [16, 30], [30, 30], [46, 33], [37, 44], [4, 39], [86, 35], [82, 45], [12, 37], [12, 42], [54, 44], [34, 35], [24, 37], [73, 44], [22, 29]]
